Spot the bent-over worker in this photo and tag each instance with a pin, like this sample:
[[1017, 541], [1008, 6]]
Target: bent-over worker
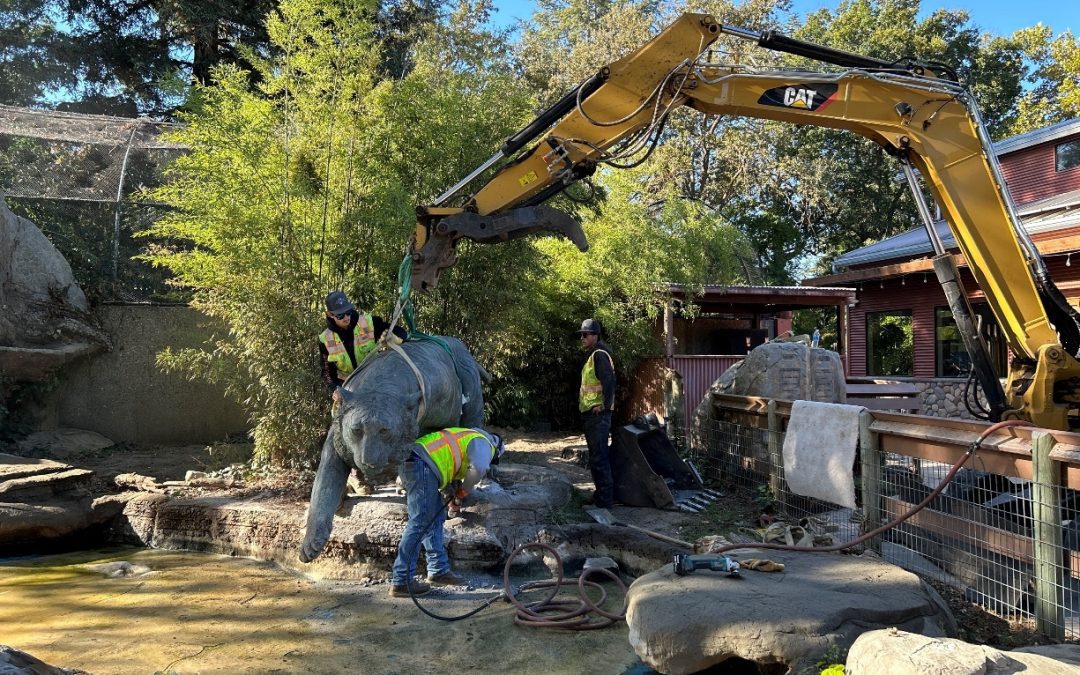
[[451, 461]]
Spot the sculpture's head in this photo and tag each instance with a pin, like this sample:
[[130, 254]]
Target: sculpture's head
[[375, 432]]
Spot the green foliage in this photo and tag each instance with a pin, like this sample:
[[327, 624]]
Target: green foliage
[[1052, 65], [832, 661], [889, 349], [308, 184], [804, 321], [265, 208]]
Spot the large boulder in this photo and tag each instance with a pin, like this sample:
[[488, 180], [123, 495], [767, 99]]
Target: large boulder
[[896, 652], [685, 624], [44, 317], [790, 371]]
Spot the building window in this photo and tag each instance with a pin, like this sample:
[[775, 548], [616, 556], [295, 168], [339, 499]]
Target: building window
[[951, 358], [1067, 155], [888, 343]]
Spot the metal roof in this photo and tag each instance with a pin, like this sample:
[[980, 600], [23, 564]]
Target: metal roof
[[1037, 137], [715, 289], [772, 298], [1045, 215]]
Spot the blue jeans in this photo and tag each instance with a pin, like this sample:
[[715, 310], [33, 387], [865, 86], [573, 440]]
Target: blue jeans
[[426, 517], [597, 432]]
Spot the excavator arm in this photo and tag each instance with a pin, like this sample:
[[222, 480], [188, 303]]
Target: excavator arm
[[929, 123]]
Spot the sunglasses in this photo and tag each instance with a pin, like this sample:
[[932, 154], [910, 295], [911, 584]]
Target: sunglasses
[[339, 317]]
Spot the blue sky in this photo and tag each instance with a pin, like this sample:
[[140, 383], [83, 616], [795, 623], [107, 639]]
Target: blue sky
[[1000, 17]]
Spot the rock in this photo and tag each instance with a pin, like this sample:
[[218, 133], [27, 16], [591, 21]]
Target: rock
[[897, 652], [118, 569], [41, 500], [1063, 653], [17, 662], [576, 454], [690, 623], [136, 481], [64, 443], [44, 322], [495, 520]]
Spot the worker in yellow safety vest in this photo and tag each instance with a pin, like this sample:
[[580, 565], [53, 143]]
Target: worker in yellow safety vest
[[349, 336], [596, 401], [444, 465]]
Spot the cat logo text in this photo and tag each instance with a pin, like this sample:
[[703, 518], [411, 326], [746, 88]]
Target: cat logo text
[[800, 96]]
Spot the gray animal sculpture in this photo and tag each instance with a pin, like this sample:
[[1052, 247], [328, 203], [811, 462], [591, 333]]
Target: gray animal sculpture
[[383, 411]]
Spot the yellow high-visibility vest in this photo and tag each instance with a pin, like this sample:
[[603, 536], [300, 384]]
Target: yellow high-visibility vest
[[448, 450], [363, 342], [592, 392]]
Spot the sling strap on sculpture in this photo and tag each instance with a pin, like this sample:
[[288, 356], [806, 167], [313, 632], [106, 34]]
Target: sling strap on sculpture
[[422, 410]]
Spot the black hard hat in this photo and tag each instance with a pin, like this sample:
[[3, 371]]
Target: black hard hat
[[337, 303], [589, 326]]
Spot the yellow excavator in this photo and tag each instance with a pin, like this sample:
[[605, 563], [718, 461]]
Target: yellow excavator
[[917, 111]]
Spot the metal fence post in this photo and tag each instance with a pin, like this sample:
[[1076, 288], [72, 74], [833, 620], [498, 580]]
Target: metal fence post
[[1046, 509], [870, 454], [774, 451]]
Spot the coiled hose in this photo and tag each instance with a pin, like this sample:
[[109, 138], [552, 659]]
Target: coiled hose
[[548, 612]]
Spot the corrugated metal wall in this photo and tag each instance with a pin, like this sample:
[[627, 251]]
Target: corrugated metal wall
[[698, 372]]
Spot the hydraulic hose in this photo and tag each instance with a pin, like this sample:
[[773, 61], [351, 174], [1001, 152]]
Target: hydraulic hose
[[866, 536]]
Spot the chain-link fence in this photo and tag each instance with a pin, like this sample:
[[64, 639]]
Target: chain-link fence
[[1004, 531], [75, 176]]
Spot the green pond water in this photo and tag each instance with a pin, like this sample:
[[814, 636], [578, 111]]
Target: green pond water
[[153, 611]]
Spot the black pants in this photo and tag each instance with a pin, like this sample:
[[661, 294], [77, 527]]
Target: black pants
[[597, 434]]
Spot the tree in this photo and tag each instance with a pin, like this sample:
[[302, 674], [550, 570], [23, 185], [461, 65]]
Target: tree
[[307, 184], [31, 48], [132, 57], [1053, 70]]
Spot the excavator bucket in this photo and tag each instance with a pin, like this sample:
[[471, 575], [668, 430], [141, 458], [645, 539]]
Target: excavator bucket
[[437, 252], [649, 471]]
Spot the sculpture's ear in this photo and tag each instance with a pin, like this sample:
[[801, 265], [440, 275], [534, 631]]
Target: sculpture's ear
[[348, 400], [347, 397]]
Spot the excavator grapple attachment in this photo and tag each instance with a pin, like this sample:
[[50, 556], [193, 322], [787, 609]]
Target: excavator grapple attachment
[[437, 252]]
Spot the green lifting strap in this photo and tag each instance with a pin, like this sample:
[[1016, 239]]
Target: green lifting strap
[[407, 311]]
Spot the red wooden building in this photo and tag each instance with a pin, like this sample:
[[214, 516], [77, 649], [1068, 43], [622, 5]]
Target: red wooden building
[[901, 325]]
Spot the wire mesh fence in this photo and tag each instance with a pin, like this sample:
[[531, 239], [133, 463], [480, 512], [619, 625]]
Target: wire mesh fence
[[77, 178], [1009, 543]]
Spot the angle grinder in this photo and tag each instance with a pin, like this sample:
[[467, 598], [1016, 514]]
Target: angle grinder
[[685, 564]]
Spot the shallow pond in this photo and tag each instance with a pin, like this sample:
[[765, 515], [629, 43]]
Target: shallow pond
[[181, 612]]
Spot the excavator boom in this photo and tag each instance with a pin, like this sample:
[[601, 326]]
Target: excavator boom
[[928, 122]]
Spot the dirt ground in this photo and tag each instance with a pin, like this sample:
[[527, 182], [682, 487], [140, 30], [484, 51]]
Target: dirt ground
[[565, 453]]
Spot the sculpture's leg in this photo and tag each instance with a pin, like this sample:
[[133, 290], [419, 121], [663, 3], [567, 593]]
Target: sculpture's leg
[[330, 483]]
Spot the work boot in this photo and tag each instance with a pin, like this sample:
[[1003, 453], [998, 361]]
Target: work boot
[[402, 591], [447, 578]]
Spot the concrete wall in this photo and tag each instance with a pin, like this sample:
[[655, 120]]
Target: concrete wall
[[122, 395]]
